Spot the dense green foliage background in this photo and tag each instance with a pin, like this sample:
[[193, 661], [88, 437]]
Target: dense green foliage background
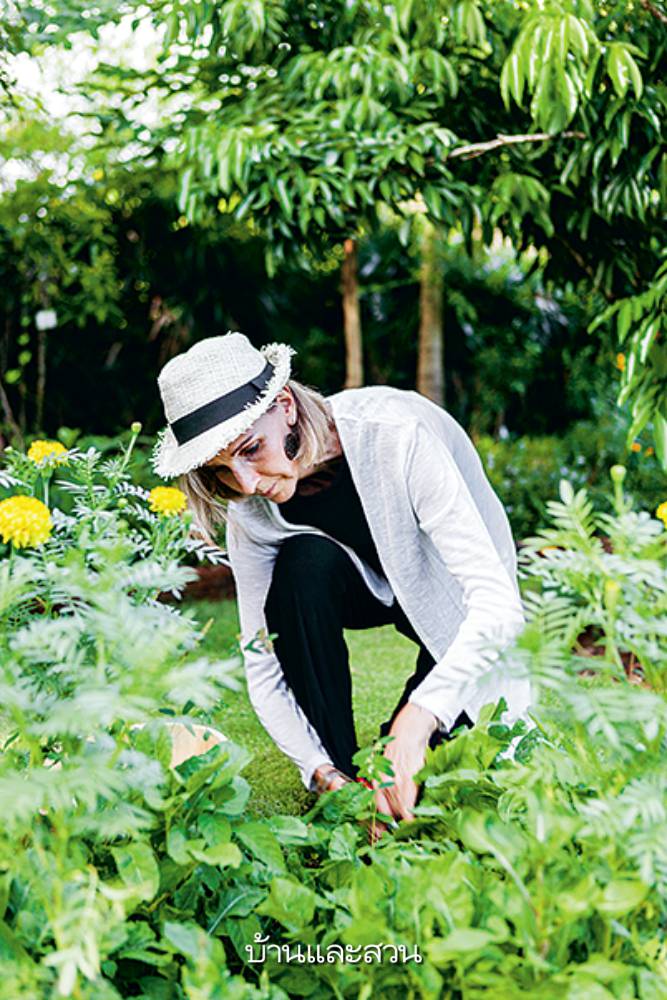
[[280, 130]]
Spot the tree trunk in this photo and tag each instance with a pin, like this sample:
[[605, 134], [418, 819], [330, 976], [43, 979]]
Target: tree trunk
[[430, 358], [40, 391], [10, 419], [5, 405], [354, 362]]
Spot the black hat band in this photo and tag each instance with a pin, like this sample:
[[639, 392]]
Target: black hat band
[[223, 408]]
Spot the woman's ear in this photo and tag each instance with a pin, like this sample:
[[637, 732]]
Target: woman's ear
[[286, 401]]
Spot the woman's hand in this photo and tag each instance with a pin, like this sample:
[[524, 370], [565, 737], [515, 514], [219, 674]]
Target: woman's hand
[[328, 778], [412, 729]]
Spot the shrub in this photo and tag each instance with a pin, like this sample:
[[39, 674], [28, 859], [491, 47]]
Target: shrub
[[526, 471], [535, 864]]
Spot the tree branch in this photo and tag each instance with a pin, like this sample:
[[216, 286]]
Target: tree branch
[[647, 5], [585, 267], [478, 148]]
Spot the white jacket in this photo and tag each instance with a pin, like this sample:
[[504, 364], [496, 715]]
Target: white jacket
[[444, 543]]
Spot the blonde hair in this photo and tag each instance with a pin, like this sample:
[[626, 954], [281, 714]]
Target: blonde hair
[[208, 496]]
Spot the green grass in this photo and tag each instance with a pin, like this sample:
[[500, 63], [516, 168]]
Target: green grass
[[381, 662]]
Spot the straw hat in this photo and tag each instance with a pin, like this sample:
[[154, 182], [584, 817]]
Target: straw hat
[[212, 393]]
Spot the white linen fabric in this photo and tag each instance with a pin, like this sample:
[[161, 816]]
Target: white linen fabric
[[445, 546]]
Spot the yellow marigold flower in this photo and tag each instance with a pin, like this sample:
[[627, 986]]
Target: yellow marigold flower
[[661, 513], [47, 452], [166, 500], [635, 446], [620, 362], [649, 451], [24, 521]]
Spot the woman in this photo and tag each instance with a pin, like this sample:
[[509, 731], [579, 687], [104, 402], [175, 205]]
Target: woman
[[367, 508]]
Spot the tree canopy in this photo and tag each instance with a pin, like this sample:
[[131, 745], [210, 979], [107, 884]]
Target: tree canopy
[[307, 124]]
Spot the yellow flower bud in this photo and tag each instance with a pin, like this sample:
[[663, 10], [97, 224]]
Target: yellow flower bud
[[612, 592]]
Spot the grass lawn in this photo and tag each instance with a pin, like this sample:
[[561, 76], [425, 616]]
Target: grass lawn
[[381, 656]]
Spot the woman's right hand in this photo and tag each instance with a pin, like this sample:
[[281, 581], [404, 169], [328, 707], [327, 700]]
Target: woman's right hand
[[329, 779]]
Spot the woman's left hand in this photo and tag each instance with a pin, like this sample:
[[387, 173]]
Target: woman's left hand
[[412, 729]]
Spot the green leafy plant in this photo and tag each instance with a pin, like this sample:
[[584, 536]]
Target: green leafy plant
[[535, 863]]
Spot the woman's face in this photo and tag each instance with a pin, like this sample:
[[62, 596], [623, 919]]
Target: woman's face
[[255, 461]]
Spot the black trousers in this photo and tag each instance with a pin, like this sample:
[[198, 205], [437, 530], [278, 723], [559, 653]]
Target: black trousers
[[316, 591]]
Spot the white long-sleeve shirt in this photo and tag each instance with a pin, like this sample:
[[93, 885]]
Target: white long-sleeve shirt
[[445, 547]]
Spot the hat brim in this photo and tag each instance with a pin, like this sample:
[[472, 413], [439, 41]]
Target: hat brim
[[169, 459]]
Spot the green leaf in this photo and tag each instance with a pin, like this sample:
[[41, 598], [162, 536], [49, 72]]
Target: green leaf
[[261, 842], [577, 35], [512, 78], [461, 941], [11, 949], [563, 39], [620, 896], [184, 187], [138, 869], [216, 829], [186, 938], [618, 68], [222, 855], [223, 168], [623, 321], [577, 899], [635, 74], [602, 968], [660, 439], [177, 846], [566, 492], [404, 11], [290, 903], [292, 830]]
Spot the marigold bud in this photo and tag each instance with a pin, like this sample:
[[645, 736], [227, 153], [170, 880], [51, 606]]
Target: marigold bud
[[135, 427], [612, 592], [617, 473]]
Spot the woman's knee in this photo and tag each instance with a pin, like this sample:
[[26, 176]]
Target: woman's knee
[[307, 558], [307, 567]]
